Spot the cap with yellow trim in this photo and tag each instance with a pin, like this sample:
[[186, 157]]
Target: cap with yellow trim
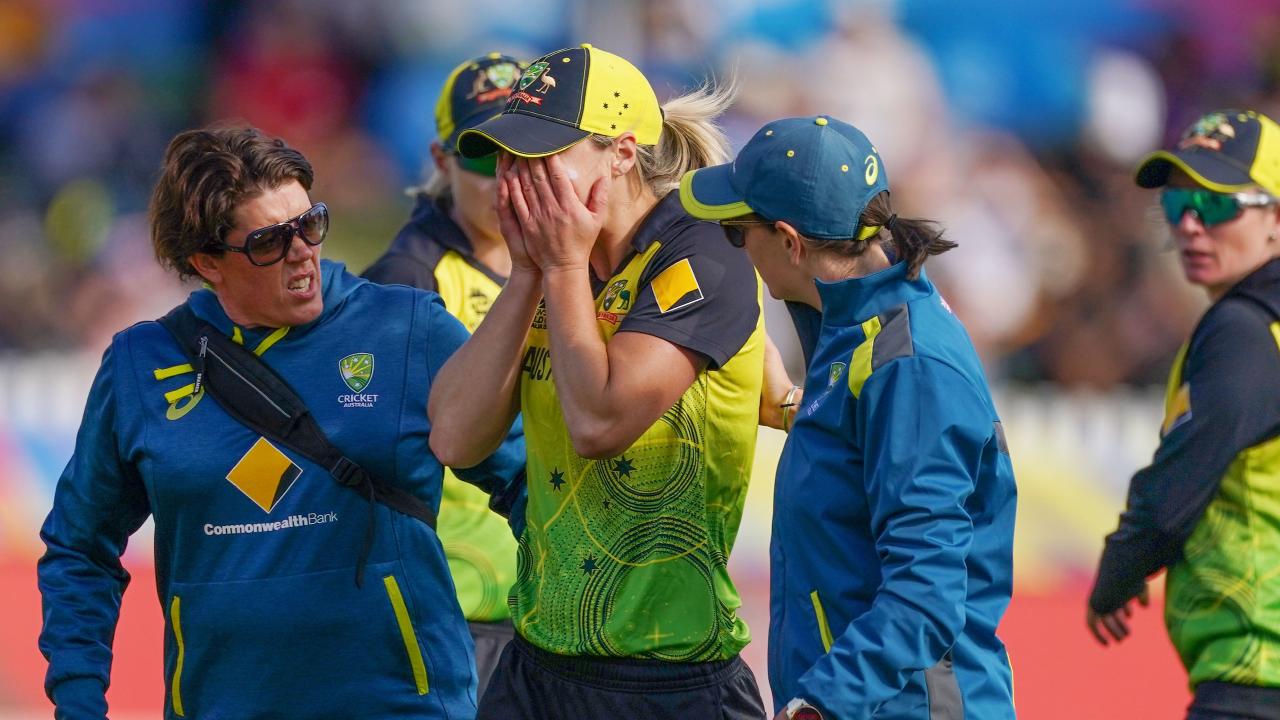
[[475, 91], [1224, 151], [564, 97], [815, 173]]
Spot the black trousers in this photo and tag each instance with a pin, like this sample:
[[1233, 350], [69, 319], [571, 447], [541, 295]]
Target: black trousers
[[1228, 701], [532, 684], [490, 639]]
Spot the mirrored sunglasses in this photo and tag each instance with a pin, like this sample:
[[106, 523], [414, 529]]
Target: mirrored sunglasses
[[269, 245], [1212, 208], [735, 230], [486, 166]]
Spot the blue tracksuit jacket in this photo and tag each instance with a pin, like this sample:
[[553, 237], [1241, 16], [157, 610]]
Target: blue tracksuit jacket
[[255, 546], [893, 516]]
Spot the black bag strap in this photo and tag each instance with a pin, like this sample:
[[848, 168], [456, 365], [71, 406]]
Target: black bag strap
[[257, 397]]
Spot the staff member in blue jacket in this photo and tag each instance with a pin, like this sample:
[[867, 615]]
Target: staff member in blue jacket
[[255, 544], [452, 245], [894, 501]]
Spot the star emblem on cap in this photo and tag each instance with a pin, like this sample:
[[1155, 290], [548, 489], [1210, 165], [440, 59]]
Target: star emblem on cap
[[557, 478]]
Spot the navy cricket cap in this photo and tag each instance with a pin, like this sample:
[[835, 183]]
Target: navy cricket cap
[[816, 173], [1224, 151], [563, 98], [475, 91]]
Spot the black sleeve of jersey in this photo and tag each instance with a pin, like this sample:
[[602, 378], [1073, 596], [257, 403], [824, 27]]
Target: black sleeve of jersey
[[808, 324], [401, 269], [719, 312], [1233, 369]]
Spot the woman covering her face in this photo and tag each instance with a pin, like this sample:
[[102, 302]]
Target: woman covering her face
[[629, 336]]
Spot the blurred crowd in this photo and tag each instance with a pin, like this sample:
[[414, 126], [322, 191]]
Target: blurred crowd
[[1015, 123]]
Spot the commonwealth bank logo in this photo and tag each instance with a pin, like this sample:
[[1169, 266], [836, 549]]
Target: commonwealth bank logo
[[357, 370], [264, 474]]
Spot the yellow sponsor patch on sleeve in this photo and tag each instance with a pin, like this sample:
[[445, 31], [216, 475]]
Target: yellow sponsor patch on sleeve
[[676, 287], [1177, 410]]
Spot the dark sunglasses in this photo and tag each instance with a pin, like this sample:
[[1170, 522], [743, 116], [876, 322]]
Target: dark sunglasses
[[486, 166], [1212, 208], [269, 245], [736, 230]]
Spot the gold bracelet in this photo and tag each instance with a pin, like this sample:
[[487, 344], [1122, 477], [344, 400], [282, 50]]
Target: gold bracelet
[[787, 404]]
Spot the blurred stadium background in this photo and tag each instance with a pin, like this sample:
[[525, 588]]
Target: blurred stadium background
[[1015, 122]]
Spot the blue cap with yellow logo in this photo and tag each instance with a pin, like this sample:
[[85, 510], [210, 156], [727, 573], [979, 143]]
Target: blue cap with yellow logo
[[563, 98], [475, 91], [815, 173]]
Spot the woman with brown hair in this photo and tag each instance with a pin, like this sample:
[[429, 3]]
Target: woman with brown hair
[[892, 548], [255, 541]]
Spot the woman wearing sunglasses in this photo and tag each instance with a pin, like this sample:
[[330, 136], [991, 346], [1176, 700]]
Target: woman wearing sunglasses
[[1208, 506], [629, 338], [254, 543], [452, 245], [892, 547]]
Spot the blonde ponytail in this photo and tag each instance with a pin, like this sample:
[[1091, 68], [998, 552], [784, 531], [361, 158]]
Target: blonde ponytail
[[690, 139], [435, 187]]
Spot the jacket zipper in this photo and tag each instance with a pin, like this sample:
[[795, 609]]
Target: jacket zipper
[[823, 628], [176, 692], [406, 633]]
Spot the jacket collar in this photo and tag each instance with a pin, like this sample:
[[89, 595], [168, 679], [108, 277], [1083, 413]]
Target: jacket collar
[[435, 225], [852, 301], [1265, 277], [432, 226], [336, 284]]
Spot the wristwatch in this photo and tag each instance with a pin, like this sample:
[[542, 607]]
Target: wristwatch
[[800, 709]]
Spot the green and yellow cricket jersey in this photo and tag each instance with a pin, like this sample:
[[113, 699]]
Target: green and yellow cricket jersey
[[1208, 506], [625, 557], [431, 252]]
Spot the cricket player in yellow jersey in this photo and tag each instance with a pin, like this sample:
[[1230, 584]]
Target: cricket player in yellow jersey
[[452, 245], [629, 335]]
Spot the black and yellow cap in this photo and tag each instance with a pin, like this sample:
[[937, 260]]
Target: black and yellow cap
[[564, 97], [475, 91], [1224, 151]]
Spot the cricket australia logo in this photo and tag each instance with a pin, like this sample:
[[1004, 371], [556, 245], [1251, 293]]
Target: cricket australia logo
[[835, 373], [356, 371], [618, 293], [535, 70]]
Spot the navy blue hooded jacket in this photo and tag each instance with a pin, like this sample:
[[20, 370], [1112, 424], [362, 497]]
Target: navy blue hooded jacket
[[892, 546], [255, 545]]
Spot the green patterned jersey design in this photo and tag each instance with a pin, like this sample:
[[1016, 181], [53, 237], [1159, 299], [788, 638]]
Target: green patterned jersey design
[[626, 557], [477, 541], [1222, 599]]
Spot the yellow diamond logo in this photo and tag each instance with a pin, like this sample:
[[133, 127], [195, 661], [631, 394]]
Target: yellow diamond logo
[[264, 474]]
